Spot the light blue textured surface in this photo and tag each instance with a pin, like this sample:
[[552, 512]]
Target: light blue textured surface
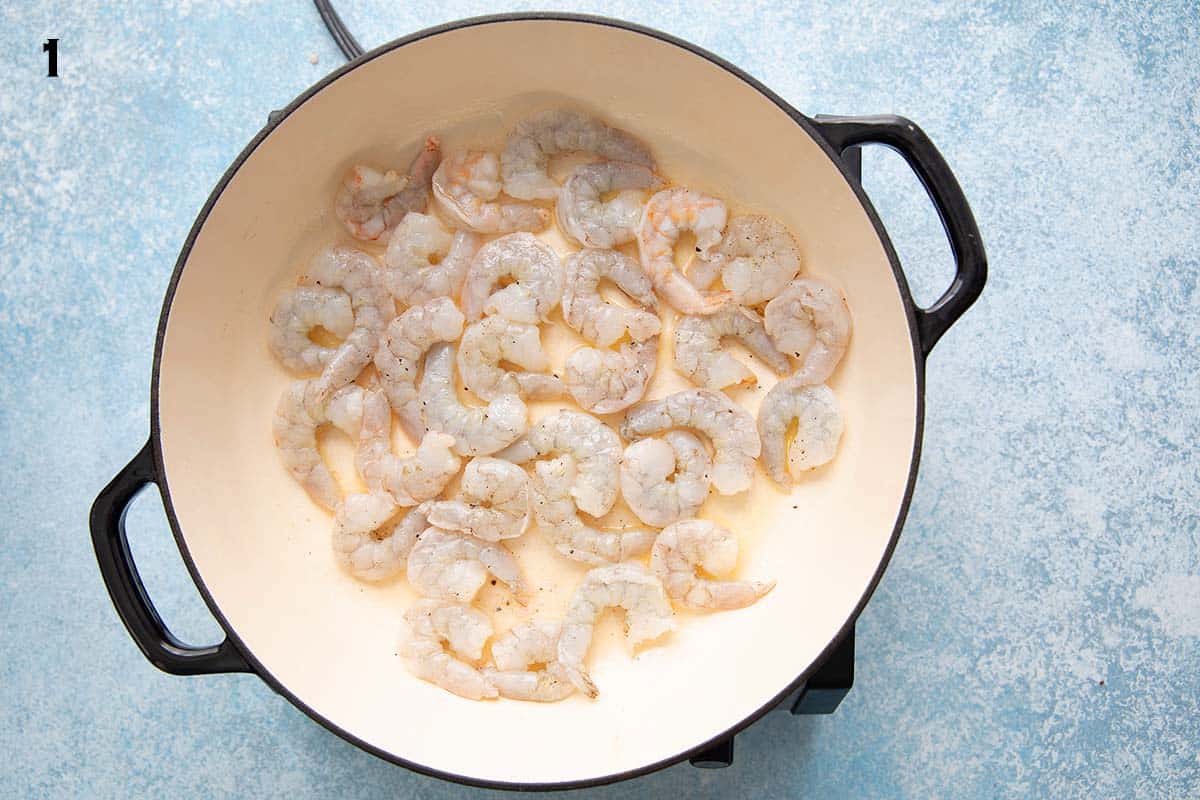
[[1038, 633]]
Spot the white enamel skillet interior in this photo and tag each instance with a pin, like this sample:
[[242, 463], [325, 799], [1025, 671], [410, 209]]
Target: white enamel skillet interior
[[258, 549]]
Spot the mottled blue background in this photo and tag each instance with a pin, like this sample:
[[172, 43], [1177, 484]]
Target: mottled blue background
[[1038, 631]]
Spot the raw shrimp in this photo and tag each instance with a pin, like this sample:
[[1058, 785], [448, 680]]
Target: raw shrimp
[[757, 257], [476, 431], [365, 543], [299, 311], [595, 447], [810, 320], [370, 203], [607, 381], [648, 614], [418, 242], [557, 517], [429, 623], [493, 502], [597, 320], [295, 431], [593, 222], [646, 477], [527, 152], [399, 357], [515, 652], [819, 424], [408, 480], [666, 216], [728, 426], [683, 547], [466, 186], [454, 566], [699, 356], [492, 340], [536, 273]]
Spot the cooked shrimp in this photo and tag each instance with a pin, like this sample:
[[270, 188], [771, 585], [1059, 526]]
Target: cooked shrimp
[[492, 340], [454, 566], [429, 623], [683, 547], [728, 426], [408, 480], [295, 429], [757, 257], [297, 313], [399, 357], [665, 480], [527, 152], [466, 186], [819, 424], [699, 356], [476, 431], [810, 321], [366, 539], [593, 222], [595, 447], [418, 242], [535, 271], [370, 203], [648, 614], [666, 216], [607, 381], [597, 320], [517, 651], [493, 502]]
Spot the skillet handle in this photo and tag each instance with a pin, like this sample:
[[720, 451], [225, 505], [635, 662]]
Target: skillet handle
[[970, 261], [125, 588]]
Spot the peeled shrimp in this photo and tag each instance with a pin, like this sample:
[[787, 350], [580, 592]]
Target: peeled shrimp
[[429, 624], [757, 257], [367, 541], [412, 276], [818, 427], [370, 203], [399, 357], [607, 381], [493, 502], [466, 186], [454, 566], [297, 312], [476, 431], [295, 429], [595, 447], [810, 320], [515, 652], [699, 356], [593, 222], [527, 152], [407, 480], [668, 214], [597, 320], [535, 270], [648, 614], [492, 340], [683, 547], [646, 477], [728, 426]]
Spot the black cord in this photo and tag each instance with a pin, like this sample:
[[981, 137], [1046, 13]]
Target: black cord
[[337, 29]]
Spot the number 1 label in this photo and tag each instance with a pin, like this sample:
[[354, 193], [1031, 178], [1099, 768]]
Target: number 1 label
[[50, 48]]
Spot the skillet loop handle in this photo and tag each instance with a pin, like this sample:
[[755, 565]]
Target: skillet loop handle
[[970, 261], [125, 587]]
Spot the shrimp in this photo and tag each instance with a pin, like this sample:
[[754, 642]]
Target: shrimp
[[527, 152], [756, 259], [298, 312], [363, 541], [818, 427], [810, 320], [418, 241], [604, 381], [683, 547], [600, 322], [698, 353], [515, 652], [295, 429], [557, 517], [476, 431], [492, 340], [535, 270], [407, 480], [370, 203], [466, 186], [398, 358], [646, 477], [429, 623], [454, 566], [666, 216], [494, 501], [728, 426], [587, 219], [648, 615], [595, 447]]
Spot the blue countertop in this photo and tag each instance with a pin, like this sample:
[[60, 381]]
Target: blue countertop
[[1038, 632]]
